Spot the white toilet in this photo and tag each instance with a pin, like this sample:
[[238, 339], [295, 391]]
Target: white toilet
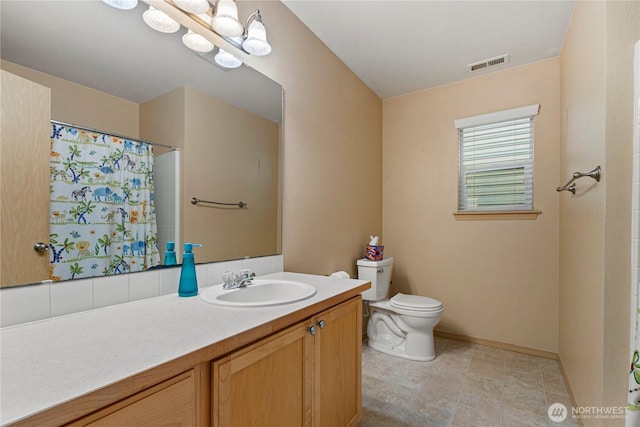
[[403, 325]]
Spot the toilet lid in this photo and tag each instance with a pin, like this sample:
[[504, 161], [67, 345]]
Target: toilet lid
[[415, 302]]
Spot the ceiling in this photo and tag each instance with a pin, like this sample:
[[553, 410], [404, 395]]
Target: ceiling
[[114, 51], [394, 46], [397, 47]]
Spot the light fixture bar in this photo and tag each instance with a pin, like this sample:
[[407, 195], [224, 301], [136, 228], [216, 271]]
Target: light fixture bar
[[196, 24]]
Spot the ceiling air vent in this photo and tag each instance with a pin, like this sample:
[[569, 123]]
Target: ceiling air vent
[[488, 63]]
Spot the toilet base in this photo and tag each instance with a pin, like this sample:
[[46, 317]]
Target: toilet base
[[398, 352], [389, 333]]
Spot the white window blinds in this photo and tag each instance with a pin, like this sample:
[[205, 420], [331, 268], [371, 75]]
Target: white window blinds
[[496, 161]]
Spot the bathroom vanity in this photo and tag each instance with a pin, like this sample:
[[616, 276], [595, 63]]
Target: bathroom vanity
[[181, 361]]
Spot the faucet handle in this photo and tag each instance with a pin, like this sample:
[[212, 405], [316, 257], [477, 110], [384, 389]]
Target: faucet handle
[[247, 273], [227, 277]]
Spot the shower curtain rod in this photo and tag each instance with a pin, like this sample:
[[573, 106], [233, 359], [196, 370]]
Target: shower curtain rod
[[113, 134]]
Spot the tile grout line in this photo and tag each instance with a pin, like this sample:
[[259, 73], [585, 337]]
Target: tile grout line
[[544, 389], [504, 374], [455, 412]]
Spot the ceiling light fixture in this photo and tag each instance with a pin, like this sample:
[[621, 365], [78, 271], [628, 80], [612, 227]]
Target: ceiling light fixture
[[224, 25], [227, 60], [256, 36], [160, 21], [122, 4], [196, 42], [193, 6], [225, 20]]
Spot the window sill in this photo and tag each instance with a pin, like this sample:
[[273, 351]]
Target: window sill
[[499, 215]]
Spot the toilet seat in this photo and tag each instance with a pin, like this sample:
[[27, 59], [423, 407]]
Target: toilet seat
[[415, 303], [410, 305]]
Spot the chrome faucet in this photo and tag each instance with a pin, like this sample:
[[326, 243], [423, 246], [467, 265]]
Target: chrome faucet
[[238, 280]]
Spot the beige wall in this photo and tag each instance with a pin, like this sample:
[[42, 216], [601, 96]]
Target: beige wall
[[597, 109], [232, 156], [498, 280], [623, 31], [332, 164], [162, 120], [582, 215], [83, 106], [216, 166]]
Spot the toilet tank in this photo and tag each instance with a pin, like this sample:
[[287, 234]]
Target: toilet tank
[[379, 274]]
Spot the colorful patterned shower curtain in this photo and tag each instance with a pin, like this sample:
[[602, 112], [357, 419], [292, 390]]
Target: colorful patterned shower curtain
[[633, 404], [102, 213]]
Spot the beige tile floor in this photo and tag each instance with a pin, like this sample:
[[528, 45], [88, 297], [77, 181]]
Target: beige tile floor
[[466, 385]]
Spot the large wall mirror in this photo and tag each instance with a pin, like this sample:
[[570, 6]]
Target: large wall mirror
[[107, 70]]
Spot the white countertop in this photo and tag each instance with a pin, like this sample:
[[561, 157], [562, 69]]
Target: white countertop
[[49, 362]]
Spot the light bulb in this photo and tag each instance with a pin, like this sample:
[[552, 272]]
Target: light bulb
[[195, 41], [225, 21], [256, 42], [122, 4], [227, 60], [159, 21], [193, 6]]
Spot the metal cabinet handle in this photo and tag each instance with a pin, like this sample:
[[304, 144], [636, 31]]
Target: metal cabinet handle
[[40, 247], [321, 324], [312, 330]]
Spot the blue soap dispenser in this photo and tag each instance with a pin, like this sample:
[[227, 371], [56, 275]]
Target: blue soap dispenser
[[188, 286], [170, 254]]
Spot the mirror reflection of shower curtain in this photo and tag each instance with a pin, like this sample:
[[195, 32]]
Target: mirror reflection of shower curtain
[[102, 205], [633, 401]]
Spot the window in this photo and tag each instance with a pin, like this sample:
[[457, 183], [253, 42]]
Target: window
[[496, 161]]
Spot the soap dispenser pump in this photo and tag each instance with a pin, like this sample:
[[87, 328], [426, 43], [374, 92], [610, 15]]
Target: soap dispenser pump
[[188, 286], [170, 254]]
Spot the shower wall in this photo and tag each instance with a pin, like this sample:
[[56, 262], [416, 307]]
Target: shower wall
[[166, 177], [595, 224]]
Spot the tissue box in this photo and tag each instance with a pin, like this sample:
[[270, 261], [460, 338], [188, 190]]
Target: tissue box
[[375, 253]]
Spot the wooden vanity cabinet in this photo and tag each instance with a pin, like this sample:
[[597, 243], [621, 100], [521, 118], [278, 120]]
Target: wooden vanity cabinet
[[174, 402], [306, 375], [267, 384], [338, 365]]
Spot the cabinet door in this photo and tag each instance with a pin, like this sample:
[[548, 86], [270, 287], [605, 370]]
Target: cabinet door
[[171, 403], [267, 384], [338, 368], [24, 182]]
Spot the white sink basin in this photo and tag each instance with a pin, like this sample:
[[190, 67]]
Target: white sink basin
[[261, 293]]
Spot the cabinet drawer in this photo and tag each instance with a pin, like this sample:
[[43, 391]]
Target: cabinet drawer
[[170, 403]]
